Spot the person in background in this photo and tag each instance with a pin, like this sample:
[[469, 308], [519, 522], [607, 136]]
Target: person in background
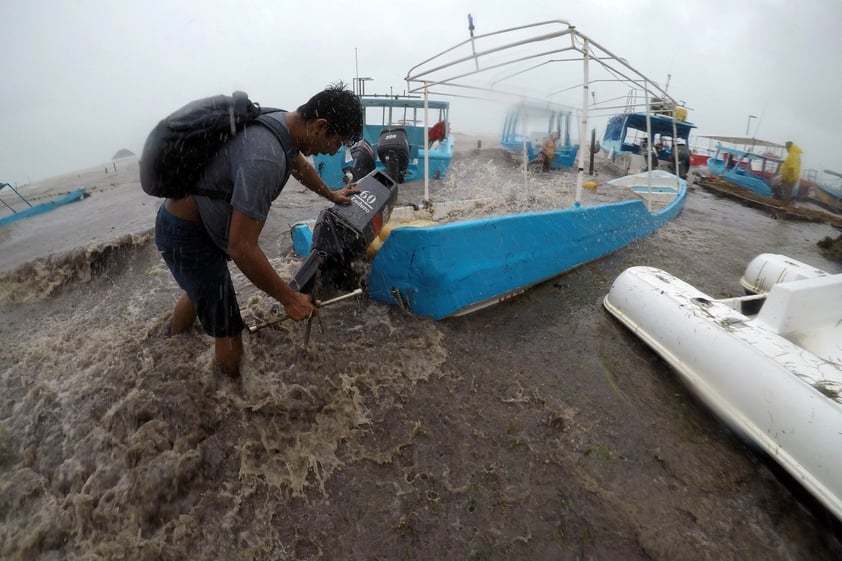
[[548, 149], [197, 235], [645, 150], [683, 158], [730, 162], [790, 172]]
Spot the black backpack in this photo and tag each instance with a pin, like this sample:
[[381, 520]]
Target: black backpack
[[182, 144]]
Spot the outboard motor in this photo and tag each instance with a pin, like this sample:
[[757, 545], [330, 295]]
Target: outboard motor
[[343, 232], [361, 160], [393, 151]]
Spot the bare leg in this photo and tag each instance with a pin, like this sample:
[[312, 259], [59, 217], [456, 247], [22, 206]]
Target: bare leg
[[229, 351], [183, 315]]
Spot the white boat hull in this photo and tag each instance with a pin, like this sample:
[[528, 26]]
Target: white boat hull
[[774, 377], [769, 269]]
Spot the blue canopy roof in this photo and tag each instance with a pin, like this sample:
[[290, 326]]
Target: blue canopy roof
[[660, 124]]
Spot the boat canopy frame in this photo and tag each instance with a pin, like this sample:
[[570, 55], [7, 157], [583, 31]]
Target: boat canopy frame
[[474, 68]]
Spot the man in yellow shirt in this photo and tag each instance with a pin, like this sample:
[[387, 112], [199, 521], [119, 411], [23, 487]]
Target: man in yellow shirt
[[790, 172]]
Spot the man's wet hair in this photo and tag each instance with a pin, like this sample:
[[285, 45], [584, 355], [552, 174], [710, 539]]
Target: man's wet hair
[[340, 106]]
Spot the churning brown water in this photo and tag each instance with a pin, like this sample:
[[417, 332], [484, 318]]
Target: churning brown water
[[537, 429]]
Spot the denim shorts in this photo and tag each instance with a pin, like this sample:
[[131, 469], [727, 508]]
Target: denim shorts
[[201, 269]]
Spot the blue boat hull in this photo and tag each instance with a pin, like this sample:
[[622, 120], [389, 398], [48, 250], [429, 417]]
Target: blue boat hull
[[454, 268], [73, 196], [741, 178]]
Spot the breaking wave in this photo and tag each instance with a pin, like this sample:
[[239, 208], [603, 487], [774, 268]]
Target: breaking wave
[[42, 277]]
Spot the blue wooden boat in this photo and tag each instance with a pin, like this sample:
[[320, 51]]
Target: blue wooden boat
[[828, 192], [626, 133], [453, 268], [748, 169], [521, 133], [32, 210], [398, 111], [460, 267]]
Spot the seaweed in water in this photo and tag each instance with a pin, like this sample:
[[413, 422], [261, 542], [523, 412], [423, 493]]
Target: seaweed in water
[[832, 248]]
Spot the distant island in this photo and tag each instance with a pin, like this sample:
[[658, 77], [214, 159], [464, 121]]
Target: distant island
[[122, 153]]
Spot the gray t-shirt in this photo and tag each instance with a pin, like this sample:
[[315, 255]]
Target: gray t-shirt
[[253, 167]]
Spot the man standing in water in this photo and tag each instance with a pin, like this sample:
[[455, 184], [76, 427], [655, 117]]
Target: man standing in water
[[197, 235]]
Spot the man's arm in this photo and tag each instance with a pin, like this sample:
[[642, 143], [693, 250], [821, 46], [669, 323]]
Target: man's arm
[[307, 175], [244, 249]]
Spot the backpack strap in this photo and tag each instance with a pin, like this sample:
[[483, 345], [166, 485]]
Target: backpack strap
[[280, 131]]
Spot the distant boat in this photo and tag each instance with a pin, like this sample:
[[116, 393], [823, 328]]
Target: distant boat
[[626, 137], [32, 210], [769, 365], [748, 167], [828, 192], [389, 113], [526, 126], [451, 268]]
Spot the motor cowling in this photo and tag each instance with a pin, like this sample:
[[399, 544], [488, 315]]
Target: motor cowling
[[393, 151], [361, 161], [343, 232]]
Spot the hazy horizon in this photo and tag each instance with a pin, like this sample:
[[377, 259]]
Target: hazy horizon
[[89, 78]]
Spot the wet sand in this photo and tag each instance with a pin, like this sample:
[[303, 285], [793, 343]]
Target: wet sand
[[537, 429]]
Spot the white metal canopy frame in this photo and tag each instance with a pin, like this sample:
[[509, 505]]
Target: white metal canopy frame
[[521, 62]]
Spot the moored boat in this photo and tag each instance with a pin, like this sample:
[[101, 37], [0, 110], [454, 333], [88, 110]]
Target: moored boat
[[529, 124], [630, 136], [828, 191], [474, 261], [460, 267], [403, 115], [769, 365], [748, 167], [32, 210]]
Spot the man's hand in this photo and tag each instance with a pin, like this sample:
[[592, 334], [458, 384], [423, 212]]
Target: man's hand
[[343, 196], [300, 307]]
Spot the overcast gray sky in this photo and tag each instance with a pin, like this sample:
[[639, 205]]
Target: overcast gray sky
[[85, 78]]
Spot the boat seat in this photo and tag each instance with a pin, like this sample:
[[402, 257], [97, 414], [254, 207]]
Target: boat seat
[[808, 313], [803, 304]]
